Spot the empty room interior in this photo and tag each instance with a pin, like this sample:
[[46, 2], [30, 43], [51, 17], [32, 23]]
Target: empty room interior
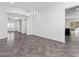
[[39, 29]]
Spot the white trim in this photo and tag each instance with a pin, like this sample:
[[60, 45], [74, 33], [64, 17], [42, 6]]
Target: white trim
[[63, 41]]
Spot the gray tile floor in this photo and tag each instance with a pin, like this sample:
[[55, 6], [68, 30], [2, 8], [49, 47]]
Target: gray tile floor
[[18, 45]]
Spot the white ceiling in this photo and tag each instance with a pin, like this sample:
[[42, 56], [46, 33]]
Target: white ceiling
[[27, 5]]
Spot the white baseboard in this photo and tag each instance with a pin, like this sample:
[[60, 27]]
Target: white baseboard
[[63, 41], [29, 34]]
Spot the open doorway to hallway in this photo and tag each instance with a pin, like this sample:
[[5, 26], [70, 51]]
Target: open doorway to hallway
[[14, 30], [72, 25]]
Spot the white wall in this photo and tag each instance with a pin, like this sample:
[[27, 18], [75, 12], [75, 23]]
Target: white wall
[[67, 5], [3, 24], [29, 25], [24, 26], [50, 23]]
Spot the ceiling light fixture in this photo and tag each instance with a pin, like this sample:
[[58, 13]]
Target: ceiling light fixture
[[31, 12]]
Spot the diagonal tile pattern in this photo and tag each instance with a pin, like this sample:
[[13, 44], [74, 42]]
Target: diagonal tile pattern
[[35, 46]]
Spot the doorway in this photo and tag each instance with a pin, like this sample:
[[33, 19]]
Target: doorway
[[14, 30], [72, 25]]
